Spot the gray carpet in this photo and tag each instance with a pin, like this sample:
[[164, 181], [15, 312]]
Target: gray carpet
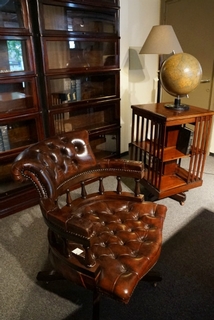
[[186, 264]]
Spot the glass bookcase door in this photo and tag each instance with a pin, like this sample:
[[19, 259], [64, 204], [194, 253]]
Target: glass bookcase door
[[15, 53], [105, 145], [111, 2], [82, 88], [17, 96], [18, 133], [78, 20], [101, 3], [92, 118], [12, 16], [102, 123], [79, 54]]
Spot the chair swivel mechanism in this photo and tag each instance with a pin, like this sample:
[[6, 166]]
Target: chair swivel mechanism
[[105, 241]]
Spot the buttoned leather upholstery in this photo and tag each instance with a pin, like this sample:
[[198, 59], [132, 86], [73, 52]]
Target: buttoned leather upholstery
[[105, 241]]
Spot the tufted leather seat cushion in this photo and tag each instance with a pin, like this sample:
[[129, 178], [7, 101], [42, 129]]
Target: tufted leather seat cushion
[[126, 240]]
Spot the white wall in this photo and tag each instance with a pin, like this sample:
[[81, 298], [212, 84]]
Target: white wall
[[137, 85]]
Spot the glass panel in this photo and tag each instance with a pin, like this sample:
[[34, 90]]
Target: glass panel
[[16, 96], [110, 1], [19, 134], [80, 54], [90, 118], [78, 20], [105, 145], [13, 56], [5, 175], [82, 88], [6, 180], [11, 15]]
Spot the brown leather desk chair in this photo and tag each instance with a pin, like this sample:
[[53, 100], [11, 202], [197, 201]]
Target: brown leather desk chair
[[106, 241]]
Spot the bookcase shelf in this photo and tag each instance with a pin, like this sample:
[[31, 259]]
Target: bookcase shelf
[[156, 133], [170, 153]]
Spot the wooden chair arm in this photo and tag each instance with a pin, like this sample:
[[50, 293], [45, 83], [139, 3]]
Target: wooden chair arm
[[123, 167]]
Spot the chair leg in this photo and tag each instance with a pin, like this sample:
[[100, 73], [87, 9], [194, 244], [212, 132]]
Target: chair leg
[[96, 305], [152, 276], [48, 276]]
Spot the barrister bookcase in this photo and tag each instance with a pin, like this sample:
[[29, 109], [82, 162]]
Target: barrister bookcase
[[169, 169], [59, 71], [20, 113], [79, 69]]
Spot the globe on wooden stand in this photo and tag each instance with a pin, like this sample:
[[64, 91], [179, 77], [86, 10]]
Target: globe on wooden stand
[[179, 75]]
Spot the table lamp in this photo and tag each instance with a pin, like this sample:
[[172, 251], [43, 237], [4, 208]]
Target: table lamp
[[161, 40]]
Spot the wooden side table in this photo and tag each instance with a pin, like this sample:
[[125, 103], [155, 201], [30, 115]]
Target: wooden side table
[[157, 141]]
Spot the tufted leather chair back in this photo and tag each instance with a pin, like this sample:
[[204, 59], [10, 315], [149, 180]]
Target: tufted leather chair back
[[56, 160]]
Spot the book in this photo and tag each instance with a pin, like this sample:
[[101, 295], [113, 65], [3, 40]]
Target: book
[[1, 142], [185, 139], [73, 90], [4, 139], [78, 89]]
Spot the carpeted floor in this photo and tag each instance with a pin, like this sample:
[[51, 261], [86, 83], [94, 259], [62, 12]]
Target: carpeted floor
[[186, 264]]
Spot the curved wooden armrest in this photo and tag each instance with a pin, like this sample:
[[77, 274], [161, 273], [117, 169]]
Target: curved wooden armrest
[[122, 167]]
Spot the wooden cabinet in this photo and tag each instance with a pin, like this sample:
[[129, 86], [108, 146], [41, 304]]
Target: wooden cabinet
[[20, 115], [79, 69], [172, 145]]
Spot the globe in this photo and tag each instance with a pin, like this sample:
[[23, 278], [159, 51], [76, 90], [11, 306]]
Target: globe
[[179, 75]]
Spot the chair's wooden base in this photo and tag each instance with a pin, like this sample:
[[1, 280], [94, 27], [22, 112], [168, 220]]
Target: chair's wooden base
[[96, 306], [52, 275], [153, 277], [47, 276]]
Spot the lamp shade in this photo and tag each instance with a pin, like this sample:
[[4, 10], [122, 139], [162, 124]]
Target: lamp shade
[[161, 40]]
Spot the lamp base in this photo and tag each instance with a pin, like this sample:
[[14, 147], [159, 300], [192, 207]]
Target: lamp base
[[177, 106]]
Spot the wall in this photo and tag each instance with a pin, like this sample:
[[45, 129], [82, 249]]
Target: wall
[[138, 72], [197, 25]]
